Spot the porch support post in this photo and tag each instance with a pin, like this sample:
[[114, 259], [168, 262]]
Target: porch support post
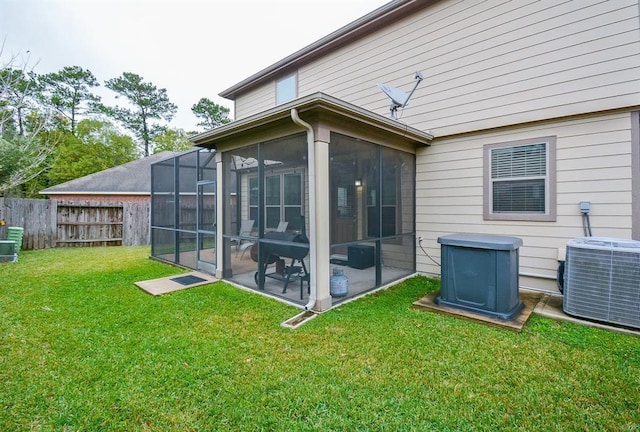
[[322, 218], [635, 176], [219, 215]]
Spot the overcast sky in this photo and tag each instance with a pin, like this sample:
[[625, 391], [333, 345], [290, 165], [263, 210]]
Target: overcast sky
[[193, 48]]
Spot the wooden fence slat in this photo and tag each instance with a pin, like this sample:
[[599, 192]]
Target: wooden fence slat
[[136, 223]]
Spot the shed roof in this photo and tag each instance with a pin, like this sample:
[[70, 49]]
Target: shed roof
[[132, 178]]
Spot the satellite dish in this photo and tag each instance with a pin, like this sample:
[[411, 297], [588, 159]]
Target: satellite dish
[[399, 99]]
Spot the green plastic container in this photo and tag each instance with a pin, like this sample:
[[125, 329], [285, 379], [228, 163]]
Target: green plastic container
[[16, 234], [8, 251]]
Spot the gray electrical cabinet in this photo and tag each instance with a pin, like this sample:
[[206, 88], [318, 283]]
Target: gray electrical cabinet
[[480, 274]]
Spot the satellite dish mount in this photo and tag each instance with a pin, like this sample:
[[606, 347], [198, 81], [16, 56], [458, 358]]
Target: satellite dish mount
[[399, 99]]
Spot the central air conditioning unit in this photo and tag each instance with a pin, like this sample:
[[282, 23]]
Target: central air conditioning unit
[[602, 280]]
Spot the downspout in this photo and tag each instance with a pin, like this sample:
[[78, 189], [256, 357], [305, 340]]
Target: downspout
[[311, 151]]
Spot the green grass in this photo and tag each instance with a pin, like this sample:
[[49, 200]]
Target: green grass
[[83, 349]]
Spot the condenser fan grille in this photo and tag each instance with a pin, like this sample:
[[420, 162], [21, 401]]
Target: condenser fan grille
[[602, 280]]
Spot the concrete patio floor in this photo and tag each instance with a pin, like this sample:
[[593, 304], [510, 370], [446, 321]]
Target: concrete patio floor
[[170, 284]]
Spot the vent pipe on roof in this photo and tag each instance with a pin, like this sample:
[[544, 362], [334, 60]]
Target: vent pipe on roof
[[311, 151]]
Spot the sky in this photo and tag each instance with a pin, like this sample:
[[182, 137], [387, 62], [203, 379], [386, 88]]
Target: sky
[[191, 48]]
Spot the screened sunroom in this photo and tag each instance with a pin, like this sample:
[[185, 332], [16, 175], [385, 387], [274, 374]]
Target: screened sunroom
[[183, 217], [308, 195]]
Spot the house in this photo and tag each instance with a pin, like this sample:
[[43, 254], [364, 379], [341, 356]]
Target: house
[[129, 182], [525, 124], [106, 208]]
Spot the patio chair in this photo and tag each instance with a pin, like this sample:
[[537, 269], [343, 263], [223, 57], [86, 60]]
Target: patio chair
[[246, 227], [282, 227]]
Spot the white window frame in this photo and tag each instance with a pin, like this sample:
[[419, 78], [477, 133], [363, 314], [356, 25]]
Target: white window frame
[[286, 88], [550, 182]]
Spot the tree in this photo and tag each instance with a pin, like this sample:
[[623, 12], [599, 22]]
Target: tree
[[149, 104], [210, 113], [18, 90], [175, 140], [69, 92], [96, 146], [22, 159], [25, 149]]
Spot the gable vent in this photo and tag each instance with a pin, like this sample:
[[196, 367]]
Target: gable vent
[[602, 280]]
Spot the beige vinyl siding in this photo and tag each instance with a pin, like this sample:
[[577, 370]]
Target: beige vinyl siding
[[539, 60], [593, 158], [488, 64], [258, 100]]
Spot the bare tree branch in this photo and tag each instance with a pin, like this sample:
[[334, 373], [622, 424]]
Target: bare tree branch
[[23, 152]]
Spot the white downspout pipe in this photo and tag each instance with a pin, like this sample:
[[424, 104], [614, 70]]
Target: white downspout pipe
[[311, 151]]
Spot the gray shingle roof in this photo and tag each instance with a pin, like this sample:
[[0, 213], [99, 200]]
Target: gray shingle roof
[[133, 178]]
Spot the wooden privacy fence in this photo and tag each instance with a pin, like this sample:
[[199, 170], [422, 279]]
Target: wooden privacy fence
[[50, 223]]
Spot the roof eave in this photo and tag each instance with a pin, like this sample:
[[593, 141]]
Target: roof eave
[[307, 103], [367, 24]]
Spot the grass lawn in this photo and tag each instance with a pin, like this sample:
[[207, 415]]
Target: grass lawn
[[83, 349]]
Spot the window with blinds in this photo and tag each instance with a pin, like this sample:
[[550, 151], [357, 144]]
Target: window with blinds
[[518, 177], [520, 180]]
